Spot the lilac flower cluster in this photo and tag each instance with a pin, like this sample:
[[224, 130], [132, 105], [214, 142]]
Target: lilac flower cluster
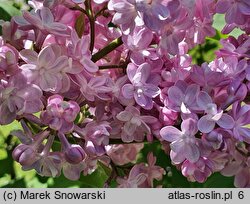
[[124, 78]]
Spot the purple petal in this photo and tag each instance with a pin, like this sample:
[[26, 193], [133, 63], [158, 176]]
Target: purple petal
[[73, 172], [6, 116], [245, 9], [130, 128], [161, 11], [178, 146], [205, 124], [46, 57], [124, 116], [128, 91], [203, 99], [222, 6], [192, 153], [231, 169], [175, 95], [46, 15], [20, 21], [32, 19], [170, 133], [127, 137], [245, 134], [56, 123], [29, 56], [176, 158], [48, 82], [66, 83], [131, 71], [149, 119], [191, 93], [151, 90], [140, 178], [97, 82], [89, 65], [217, 116], [145, 70], [242, 178], [226, 121], [189, 127]]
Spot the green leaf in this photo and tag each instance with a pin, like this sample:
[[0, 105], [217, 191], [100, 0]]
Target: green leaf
[[205, 52], [96, 180], [7, 165], [105, 168], [80, 25], [219, 181], [16, 184], [7, 10], [6, 129]]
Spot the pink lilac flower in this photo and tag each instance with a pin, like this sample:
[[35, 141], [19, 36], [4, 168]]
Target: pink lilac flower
[[183, 143], [43, 20], [152, 171], [97, 133], [8, 59], [174, 32], [78, 49], [241, 118], [73, 171], [49, 163], [201, 30], [126, 15], [116, 90], [94, 88], [27, 154], [214, 116], [143, 88], [230, 67], [25, 135], [182, 97], [237, 91], [198, 171], [167, 116], [207, 78], [139, 39], [18, 97], [49, 69], [60, 114], [233, 47], [236, 11], [135, 178], [135, 126], [240, 169], [123, 153], [154, 13]]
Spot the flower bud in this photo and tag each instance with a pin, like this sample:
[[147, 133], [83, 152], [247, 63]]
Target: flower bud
[[24, 154], [74, 154]]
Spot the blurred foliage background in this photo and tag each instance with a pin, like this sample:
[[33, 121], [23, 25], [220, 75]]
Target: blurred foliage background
[[11, 174]]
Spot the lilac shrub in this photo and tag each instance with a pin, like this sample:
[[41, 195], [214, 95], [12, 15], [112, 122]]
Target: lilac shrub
[[104, 78]]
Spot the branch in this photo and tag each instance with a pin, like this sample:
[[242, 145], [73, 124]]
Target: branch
[[106, 50], [91, 18]]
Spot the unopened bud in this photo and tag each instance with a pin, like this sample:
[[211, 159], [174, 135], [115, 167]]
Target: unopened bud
[[75, 154], [24, 154]]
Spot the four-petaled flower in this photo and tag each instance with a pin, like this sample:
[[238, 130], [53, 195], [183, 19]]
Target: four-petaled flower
[[183, 143], [144, 85]]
